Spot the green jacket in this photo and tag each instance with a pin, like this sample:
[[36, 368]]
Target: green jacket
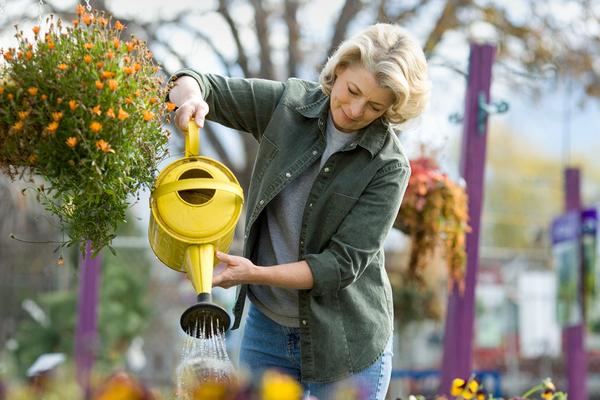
[[347, 317]]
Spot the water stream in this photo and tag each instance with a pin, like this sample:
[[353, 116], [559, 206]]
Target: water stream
[[204, 360]]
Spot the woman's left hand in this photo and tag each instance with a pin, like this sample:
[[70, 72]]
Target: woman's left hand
[[237, 270]]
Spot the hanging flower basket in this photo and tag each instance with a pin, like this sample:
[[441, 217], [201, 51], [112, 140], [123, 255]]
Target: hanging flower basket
[[434, 213], [82, 107]]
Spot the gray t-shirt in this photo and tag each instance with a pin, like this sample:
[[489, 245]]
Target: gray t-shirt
[[279, 238]]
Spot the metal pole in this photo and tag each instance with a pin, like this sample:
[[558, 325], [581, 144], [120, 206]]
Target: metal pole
[[573, 336], [460, 315], [86, 332]]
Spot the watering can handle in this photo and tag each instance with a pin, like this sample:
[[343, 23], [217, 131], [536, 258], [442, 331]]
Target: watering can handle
[[192, 140], [197, 183]]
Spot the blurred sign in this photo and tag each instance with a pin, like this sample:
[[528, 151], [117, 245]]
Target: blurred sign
[[566, 257], [539, 332]]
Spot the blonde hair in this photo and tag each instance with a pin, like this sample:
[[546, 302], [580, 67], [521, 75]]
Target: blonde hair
[[396, 60]]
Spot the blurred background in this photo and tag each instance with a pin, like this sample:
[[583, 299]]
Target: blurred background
[[547, 69]]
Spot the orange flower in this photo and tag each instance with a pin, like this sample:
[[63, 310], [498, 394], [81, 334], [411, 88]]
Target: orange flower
[[52, 127], [104, 146], [57, 116], [137, 66], [75, 23], [122, 114], [153, 100], [171, 106], [18, 126], [72, 141], [110, 113], [10, 96], [32, 159], [73, 105], [28, 54], [109, 55], [119, 26], [59, 100], [112, 84], [8, 55], [1, 89], [128, 100], [95, 126], [23, 114], [102, 21], [19, 54], [99, 85], [148, 115], [116, 43], [128, 70], [99, 65], [80, 10], [107, 74], [130, 46], [51, 44], [32, 90], [96, 110], [63, 67], [36, 29], [44, 97], [88, 19], [87, 58], [88, 46]]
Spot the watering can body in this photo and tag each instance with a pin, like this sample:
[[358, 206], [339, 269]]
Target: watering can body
[[195, 205]]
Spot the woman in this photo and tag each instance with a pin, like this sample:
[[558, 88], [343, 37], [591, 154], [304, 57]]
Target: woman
[[326, 186]]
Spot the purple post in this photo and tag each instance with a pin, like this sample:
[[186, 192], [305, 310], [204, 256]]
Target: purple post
[[460, 315], [86, 332], [573, 336]]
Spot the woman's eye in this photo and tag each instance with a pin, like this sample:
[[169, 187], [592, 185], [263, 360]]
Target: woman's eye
[[375, 109], [352, 92]]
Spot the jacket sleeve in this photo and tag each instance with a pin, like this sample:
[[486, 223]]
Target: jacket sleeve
[[243, 104], [360, 236]]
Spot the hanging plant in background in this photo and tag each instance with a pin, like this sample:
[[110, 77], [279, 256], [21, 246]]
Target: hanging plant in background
[[433, 213], [82, 108]]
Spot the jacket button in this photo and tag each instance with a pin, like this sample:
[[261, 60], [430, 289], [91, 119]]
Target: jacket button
[[261, 202], [310, 204], [302, 243], [315, 152], [288, 175], [304, 322], [326, 169]]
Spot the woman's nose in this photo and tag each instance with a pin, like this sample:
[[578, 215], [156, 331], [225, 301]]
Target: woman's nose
[[357, 109]]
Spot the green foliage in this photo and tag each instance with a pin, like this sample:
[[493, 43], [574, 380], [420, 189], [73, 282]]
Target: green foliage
[[83, 109], [123, 313]]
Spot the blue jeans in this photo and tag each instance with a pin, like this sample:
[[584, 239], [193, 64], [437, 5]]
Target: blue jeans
[[268, 345]]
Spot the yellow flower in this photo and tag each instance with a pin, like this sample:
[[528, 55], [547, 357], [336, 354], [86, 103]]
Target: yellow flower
[[112, 84], [104, 146], [122, 114], [96, 110], [32, 90], [547, 394], [471, 389], [277, 386], [73, 105], [52, 127], [457, 387], [119, 26], [110, 113], [87, 59], [57, 116], [95, 126], [72, 141], [148, 115], [63, 67]]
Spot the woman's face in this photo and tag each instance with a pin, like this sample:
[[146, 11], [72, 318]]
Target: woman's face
[[357, 99]]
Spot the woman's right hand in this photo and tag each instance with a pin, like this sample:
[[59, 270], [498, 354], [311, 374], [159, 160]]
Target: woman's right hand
[[193, 107]]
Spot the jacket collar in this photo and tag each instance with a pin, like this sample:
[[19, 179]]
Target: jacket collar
[[371, 137]]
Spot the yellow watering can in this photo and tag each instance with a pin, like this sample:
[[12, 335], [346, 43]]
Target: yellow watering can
[[195, 205]]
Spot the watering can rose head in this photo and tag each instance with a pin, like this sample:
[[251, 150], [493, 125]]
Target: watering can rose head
[[81, 106]]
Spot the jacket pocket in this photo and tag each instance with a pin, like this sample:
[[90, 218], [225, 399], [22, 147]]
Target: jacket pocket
[[340, 206]]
